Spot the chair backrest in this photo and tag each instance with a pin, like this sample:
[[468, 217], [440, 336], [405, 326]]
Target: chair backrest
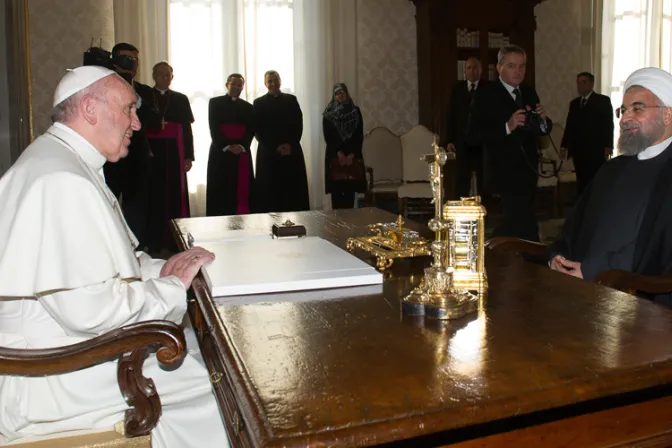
[[414, 144], [382, 152]]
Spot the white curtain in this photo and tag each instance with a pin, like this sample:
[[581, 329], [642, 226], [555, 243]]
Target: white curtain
[[635, 34], [312, 44], [144, 24]]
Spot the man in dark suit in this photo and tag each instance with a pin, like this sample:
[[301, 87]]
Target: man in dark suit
[[469, 158], [589, 133], [507, 119]]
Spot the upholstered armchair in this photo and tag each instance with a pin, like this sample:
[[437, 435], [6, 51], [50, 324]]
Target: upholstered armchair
[[415, 195], [382, 155], [620, 280], [129, 345]]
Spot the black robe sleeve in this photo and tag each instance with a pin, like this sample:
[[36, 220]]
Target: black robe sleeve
[[296, 126]]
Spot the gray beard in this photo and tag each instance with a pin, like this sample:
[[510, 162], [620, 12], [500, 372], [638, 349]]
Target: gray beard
[[631, 145]]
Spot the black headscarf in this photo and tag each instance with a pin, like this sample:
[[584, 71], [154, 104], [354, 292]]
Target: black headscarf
[[344, 116]]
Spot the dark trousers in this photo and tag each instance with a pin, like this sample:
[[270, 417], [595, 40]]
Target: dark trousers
[[518, 216], [342, 199], [469, 159], [585, 171]]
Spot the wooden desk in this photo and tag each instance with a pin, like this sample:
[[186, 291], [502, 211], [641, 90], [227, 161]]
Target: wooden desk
[[549, 360]]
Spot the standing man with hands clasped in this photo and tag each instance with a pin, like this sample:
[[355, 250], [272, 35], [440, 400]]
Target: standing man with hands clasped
[[508, 119]]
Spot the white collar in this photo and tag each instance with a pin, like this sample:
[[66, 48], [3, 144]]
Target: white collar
[[472, 83], [89, 154], [163, 91], [655, 150], [509, 87], [587, 96]]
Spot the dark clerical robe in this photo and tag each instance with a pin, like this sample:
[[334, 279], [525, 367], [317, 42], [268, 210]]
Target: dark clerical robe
[[230, 176], [281, 181], [622, 220], [172, 144]]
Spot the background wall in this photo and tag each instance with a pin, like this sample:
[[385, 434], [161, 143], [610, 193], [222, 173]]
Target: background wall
[[563, 49], [387, 64], [55, 45]]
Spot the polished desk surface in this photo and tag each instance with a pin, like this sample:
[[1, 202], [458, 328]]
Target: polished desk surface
[[355, 371]]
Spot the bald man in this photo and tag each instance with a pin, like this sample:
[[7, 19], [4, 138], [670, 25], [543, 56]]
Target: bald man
[[68, 272], [468, 157], [623, 220]]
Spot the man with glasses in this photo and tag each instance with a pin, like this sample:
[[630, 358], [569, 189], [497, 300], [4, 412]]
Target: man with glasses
[[589, 133], [623, 219]]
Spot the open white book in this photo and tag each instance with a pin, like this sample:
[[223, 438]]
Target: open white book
[[257, 266]]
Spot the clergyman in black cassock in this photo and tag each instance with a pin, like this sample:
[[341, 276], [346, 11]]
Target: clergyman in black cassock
[[623, 220], [468, 158], [281, 180], [589, 132], [230, 172], [172, 144], [510, 142]]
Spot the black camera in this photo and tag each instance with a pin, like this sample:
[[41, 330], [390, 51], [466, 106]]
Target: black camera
[[534, 122], [103, 58]]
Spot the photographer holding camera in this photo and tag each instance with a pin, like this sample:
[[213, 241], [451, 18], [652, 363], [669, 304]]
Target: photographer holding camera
[[507, 120], [130, 177]]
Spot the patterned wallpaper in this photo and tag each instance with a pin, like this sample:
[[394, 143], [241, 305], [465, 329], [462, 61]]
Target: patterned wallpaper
[[387, 72], [60, 31], [560, 53]]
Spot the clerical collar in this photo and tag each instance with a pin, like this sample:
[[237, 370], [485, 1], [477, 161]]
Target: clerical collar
[[86, 150], [655, 150], [163, 91]]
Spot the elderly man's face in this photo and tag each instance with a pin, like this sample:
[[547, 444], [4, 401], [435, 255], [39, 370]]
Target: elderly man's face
[[642, 123], [512, 69], [117, 119]]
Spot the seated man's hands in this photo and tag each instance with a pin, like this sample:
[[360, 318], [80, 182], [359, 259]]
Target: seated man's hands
[[561, 264], [186, 265]]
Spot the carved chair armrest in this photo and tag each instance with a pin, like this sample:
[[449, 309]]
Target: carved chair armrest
[[369, 171], [138, 391], [633, 283]]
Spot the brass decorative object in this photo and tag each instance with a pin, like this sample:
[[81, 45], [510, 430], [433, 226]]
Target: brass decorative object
[[466, 224], [390, 241], [436, 295]]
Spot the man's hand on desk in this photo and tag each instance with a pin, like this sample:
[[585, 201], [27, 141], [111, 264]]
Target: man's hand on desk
[[186, 265], [516, 120], [561, 264]]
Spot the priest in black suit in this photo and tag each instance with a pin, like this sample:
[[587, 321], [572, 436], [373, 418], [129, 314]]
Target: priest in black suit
[[623, 220], [507, 119], [468, 158], [589, 132], [230, 174], [281, 180]]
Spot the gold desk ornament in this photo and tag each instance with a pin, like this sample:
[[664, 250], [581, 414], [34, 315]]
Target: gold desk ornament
[[466, 253], [390, 241], [436, 295]]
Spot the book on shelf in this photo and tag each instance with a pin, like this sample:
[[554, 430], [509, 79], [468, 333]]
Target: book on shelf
[[466, 38]]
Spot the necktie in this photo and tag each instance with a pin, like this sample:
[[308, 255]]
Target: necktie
[[472, 89], [583, 101], [519, 98]]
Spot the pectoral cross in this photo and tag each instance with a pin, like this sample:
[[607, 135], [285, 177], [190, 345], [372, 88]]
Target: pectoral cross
[[163, 124]]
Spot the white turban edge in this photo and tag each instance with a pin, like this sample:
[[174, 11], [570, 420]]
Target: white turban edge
[[658, 81]]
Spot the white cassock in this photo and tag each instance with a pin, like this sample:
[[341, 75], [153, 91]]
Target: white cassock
[[68, 272]]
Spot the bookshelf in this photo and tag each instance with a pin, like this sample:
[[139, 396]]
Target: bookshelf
[[451, 31]]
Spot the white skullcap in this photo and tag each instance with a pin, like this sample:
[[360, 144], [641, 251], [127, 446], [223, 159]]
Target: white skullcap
[[78, 79], [658, 81]]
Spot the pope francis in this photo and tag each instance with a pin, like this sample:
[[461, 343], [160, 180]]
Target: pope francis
[[69, 272]]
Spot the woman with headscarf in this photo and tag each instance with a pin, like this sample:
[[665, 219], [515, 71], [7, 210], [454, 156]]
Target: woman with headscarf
[[343, 128]]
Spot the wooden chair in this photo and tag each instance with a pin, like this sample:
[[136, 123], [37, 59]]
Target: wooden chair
[[382, 154], [415, 195], [128, 344], [621, 280]]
